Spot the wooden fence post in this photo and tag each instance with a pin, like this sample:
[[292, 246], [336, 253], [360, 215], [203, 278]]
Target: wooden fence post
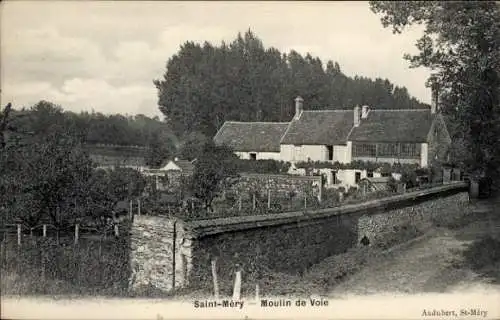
[[257, 293], [239, 203], [215, 280], [116, 230], [130, 208], [305, 201], [77, 227], [253, 201], [44, 230], [43, 265], [269, 198], [139, 206], [237, 284], [19, 235]]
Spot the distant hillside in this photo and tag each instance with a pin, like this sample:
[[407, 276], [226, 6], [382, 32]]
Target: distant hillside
[[104, 155], [205, 85], [105, 135]]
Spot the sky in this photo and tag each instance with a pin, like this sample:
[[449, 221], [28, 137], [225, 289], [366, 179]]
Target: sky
[[104, 55]]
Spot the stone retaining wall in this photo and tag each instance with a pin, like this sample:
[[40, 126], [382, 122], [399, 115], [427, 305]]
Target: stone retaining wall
[[152, 253], [280, 185], [379, 225], [288, 242]]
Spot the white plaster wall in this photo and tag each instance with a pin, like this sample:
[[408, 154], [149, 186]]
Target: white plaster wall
[[424, 153], [260, 155], [294, 153], [341, 154], [315, 153], [348, 177], [348, 155], [286, 152]]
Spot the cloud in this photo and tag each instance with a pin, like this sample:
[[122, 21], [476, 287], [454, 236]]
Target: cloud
[[85, 95], [104, 55]]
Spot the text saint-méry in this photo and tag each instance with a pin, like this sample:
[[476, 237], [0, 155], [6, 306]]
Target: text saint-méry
[[216, 304]]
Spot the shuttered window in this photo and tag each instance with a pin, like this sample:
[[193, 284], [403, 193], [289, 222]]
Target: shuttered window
[[386, 150], [364, 150]]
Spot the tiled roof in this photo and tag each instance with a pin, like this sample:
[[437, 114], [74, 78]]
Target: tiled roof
[[394, 126], [251, 136], [320, 127], [185, 165]]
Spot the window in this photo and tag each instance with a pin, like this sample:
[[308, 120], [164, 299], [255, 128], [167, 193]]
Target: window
[[410, 150], [253, 156], [357, 177], [330, 152], [364, 150], [387, 150], [369, 174]]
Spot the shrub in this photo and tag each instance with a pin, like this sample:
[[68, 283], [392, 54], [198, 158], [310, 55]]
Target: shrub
[[261, 166]]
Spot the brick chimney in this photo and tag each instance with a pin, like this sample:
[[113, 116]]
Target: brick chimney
[[364, 111], [435, 99], [299, 107], [357, 116]]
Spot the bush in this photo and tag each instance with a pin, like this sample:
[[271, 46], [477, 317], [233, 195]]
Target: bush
[[261, 166]]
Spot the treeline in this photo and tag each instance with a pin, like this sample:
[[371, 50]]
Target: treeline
[[205, 85], [97, 128]]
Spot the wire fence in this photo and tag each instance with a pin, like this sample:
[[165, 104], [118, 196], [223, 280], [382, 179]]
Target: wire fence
[[86, 262]]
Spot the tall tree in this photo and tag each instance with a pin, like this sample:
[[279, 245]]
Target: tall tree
[[461, 45], [205, 85]]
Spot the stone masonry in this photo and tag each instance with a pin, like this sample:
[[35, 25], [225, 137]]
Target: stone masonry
[[288, 242], [152, 253]]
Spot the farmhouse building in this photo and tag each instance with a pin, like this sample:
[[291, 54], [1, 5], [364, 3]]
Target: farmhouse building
[[414, 136], [319, 135], [252, 140]]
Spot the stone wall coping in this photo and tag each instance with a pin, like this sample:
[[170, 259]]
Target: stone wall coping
[[281, 176], [201, 228]]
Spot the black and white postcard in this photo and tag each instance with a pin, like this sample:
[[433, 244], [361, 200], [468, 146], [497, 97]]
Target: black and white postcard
[[250, 160]]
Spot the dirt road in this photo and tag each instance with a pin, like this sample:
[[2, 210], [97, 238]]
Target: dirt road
[[432, 264]]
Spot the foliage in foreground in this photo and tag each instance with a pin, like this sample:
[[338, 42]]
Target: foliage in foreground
[[460, 45], [47, 176]]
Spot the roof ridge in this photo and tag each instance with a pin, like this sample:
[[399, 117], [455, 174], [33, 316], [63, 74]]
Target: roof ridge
[[286, 131], [219, 131]]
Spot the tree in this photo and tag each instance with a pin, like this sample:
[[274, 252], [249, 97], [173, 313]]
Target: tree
[[193, 146], [213, 173], [159, 149], [45, 179], [461, 45], [48, 175], [206, 85]]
